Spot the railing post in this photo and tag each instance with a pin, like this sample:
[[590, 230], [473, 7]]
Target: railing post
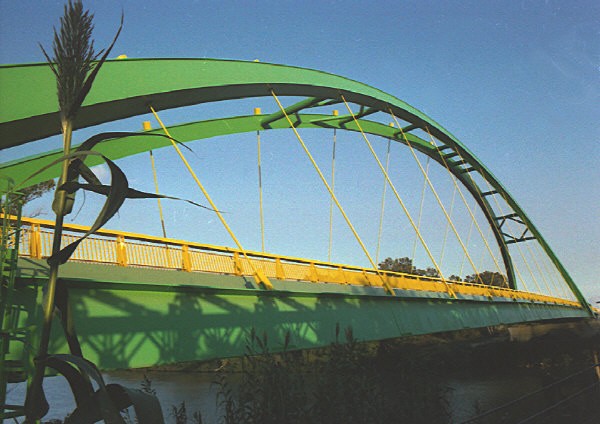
[[279, 272], [237, 264], [35, 241], [342, 275], [121, 251], [312, 275], [168, 256], [186, 263]]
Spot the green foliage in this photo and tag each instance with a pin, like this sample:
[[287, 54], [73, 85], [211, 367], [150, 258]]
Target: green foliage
[[489, 278], [411, 382], [197, 417], [146, 386], [349, 382], [27, 194], [347, 389], [272, 388], [404, 265], [429, 272], [179, 413]]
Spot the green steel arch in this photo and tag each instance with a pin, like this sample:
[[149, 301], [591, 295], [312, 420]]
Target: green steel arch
[[125, 88]]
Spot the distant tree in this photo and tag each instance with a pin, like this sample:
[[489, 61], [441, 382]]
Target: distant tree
[[454, 278], [428, 272], [489, 278], [28, 194], [404, 265]]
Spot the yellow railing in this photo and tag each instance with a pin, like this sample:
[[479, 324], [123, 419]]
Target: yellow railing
[[136, 250]]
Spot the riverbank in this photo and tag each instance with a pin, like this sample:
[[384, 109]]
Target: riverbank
[[441, 378], [449, 377]]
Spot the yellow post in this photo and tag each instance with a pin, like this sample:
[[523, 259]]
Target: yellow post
[[186, 263], [279, 272], [312, 273], [237, 264], [35, 242], [121, 251], [342, 275]]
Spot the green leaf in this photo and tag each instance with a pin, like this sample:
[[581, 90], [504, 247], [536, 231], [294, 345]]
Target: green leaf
[[72, 155], [115, 193], [91, 406], [103, 189], [114, 199], [80, 387]]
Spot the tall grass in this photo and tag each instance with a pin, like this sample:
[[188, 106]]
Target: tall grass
[[272, 388], [349, 382]]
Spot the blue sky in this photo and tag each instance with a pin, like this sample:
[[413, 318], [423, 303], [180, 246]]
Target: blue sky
[[518, 82]]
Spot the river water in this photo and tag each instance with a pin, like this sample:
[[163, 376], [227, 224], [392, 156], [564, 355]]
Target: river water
[[467, 393]]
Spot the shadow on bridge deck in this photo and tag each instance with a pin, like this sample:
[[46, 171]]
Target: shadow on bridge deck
[[130, 317]]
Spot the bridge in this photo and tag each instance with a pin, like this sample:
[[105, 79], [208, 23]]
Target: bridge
[[138, 300]]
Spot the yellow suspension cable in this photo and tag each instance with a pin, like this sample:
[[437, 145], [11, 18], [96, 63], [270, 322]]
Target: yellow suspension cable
[[259, 275], [160, 210], [435, 194], [260, 194], [552, 274], [462, 196], [557, 278], [387, 166], [520, 277], [539, 270], [332, 189], [462, 262], [332, 194], [447, 226], [414, 251], [482, 259], [406, 212]]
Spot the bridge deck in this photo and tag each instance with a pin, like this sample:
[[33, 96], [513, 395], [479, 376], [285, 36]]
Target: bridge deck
[[138, 301], [144, 251]]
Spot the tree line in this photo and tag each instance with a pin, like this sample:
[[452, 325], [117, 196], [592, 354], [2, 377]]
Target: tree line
[[405, 265]]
